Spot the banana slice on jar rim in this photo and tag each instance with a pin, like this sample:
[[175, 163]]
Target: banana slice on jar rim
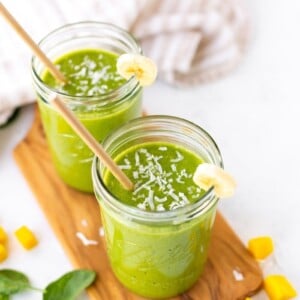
[[142, 67], [209, 175]]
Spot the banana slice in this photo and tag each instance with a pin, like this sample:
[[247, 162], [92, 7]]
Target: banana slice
[[142, 67], [208, 175]]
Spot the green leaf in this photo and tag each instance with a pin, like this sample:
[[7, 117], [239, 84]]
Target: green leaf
[[4, 297], [9, 120], [12, 282], [70, 285]]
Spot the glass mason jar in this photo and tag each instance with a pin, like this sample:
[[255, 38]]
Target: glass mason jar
[[100, 114], [157, 254]]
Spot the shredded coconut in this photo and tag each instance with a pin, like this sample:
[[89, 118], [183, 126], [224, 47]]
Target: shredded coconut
[[155, 177], [238, 276], [101, 231], [178, 158], [85, 241], [163, 148], [84, 223]]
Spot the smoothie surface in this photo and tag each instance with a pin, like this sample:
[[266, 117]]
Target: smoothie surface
[[90, 72], [162, 174]]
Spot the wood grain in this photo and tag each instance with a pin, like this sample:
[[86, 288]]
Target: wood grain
[[65, 208]]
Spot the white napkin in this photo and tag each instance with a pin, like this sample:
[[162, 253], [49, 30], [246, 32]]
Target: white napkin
[[192, 41]]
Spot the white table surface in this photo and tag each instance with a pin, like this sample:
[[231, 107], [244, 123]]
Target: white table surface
[[253, 114]]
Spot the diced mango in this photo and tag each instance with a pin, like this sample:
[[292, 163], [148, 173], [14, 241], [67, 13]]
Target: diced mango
[[261, 247], [279, 288], [26, 237], [3, 235], [3, 253], [248, 298]]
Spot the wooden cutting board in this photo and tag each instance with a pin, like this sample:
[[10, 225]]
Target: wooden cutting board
[[70, 211]]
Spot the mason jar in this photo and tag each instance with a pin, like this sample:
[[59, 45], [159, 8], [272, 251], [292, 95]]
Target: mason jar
[[157, 254], [100, 114]]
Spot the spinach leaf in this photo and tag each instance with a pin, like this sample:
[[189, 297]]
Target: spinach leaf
[[70, 285], [12, 282], [9, 120]]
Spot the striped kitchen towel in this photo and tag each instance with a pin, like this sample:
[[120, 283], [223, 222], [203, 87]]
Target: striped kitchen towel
[[192, 41]]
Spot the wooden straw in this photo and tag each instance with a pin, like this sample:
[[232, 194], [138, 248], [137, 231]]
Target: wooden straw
[[91, 142], [68, 115], [34, 47]]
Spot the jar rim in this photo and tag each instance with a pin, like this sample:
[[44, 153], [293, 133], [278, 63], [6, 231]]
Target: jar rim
[[203, 204], [131, 84]]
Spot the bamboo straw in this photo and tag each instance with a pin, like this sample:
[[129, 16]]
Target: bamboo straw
[[91, 142], [34, 47], [59, 105]]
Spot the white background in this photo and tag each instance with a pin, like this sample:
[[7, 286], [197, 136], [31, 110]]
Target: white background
[[253, 114]]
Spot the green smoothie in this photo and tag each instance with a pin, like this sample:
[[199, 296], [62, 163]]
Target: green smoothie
[[158, 260], [92, 75]]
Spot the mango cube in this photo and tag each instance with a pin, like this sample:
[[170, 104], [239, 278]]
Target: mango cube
[[3, 253], [261, 247], [279, 288], [3, 235], [26, 237]]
